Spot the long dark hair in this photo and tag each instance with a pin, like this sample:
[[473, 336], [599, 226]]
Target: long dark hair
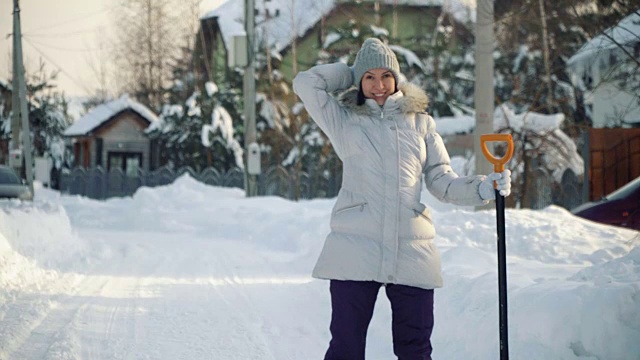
[[361, 98]]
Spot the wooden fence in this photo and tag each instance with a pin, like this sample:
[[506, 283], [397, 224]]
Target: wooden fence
[[98, 183], [613, 159]]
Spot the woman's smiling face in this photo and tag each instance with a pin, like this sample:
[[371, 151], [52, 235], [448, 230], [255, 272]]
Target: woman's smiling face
[[378, 84]]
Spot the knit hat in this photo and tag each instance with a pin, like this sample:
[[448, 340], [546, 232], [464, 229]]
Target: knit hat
[[372, 55]]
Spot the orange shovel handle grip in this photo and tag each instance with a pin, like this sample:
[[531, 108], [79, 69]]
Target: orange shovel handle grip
[[498, 163]]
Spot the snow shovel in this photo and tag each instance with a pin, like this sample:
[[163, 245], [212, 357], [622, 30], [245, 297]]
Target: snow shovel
[[498, 166]]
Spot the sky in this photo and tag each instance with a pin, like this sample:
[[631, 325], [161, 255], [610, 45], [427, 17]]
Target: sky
[[64, 34], [191, 271]]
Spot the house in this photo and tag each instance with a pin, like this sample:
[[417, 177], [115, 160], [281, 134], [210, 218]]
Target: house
[[274, 27], [112, 136], [602, 69], [311, 30]]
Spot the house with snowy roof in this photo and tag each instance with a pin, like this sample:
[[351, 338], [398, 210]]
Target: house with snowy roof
[[112, 136], [309, 27], [603, 69]]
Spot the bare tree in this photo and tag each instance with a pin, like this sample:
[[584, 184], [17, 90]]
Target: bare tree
[[190, 20], [150, 35], [101, 68]]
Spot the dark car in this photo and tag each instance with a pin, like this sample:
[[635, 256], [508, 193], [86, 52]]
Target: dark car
[[11, 186], [620, 208]]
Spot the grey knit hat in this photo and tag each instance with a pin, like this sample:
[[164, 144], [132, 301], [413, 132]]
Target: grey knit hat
[[372, 55]]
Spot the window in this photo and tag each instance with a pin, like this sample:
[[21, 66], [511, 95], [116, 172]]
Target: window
[[99, 147], [6, 177], [129, 163], [132, 165]]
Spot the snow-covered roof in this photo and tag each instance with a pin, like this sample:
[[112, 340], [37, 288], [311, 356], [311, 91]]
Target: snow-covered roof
[[279, 30], [625, 32], [102, 113], [462, 10]]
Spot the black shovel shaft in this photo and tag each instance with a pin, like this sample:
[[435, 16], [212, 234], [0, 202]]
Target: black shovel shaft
[[502, 278]]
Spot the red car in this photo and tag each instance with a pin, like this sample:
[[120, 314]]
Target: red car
[[620, 208]]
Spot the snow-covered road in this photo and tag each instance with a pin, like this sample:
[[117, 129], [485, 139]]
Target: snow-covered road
[[170, 296], [189, 271]]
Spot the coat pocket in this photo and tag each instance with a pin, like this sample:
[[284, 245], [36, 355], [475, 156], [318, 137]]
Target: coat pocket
[[351, 214], [425, 214], [359, 206], [353, 218], [417, 224]]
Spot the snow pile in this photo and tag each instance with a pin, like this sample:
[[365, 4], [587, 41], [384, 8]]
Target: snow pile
[[41, 232], [193, 271]]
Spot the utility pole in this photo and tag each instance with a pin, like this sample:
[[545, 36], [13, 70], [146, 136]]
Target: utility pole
[[484, 91], [545, 52], [19, 104], [15, 104], [252, 150]]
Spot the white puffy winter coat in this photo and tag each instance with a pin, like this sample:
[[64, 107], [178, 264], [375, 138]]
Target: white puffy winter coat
[[379, 229]]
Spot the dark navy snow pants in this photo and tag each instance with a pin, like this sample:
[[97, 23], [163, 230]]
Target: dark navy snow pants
[[352, 304]]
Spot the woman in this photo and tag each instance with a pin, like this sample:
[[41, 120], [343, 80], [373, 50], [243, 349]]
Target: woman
[[381, 235]]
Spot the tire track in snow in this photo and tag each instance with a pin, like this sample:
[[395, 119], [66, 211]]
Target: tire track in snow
[[49, 338]]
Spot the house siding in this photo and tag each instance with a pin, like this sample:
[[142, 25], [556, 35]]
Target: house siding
[[210, 54]]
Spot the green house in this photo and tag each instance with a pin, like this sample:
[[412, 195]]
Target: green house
[[299, 33]]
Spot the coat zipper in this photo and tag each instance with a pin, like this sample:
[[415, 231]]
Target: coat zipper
[[360, 205], [395, 260]]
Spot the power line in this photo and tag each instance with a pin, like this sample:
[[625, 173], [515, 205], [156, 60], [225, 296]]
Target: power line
[[58, 66], [75, 19], [67, 34], [68, 49]]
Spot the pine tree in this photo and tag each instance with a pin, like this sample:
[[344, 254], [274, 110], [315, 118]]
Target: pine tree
[[199, 126], [48, 118]]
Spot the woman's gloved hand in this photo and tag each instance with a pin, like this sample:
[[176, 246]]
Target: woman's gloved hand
[[503, 182]]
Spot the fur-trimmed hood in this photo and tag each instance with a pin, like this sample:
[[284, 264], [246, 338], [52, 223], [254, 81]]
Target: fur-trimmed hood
[[411, 100]]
